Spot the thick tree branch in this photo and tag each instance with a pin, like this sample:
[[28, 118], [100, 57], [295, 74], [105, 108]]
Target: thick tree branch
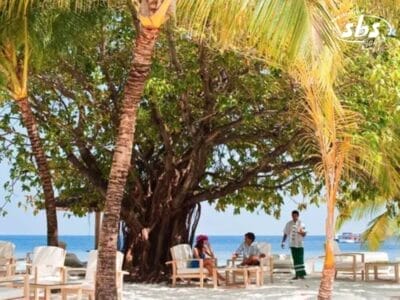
[[265, 165], [96, 179], [218, 192], [79, 76], [206, 81], [223, 129], [163, 129]]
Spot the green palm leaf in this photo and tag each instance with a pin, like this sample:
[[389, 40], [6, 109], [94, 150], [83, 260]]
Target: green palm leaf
[[278, 31], [379, 230]]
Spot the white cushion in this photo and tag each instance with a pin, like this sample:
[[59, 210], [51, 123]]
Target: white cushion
[[6, 249], [282, 261], [91, 267], [181, 253], [189, 271], [373, 256], [264, 248], [47, 280], [11, 293], [48, 261], [348, 265]]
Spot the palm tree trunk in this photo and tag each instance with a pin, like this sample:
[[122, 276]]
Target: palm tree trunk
[[328, 273], [43, 168], [142, 57]]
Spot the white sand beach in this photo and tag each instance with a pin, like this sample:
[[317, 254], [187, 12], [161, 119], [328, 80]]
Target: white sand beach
[[282, 288]]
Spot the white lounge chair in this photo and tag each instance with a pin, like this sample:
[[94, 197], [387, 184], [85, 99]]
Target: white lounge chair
[[87, 286], [7, 259], [283, 263], [47, 269], [266, 266], [354, 262], [266, 262], [181, 257]]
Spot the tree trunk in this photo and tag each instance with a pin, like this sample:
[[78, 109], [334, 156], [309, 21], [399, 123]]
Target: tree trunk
[[328, 273], [142, 57], [149, 255], [30, 124]]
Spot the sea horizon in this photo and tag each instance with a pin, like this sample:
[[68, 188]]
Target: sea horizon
[[92, 235], [223, 245]]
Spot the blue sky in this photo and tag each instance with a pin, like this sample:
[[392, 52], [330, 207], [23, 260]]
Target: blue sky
[[20, 221]]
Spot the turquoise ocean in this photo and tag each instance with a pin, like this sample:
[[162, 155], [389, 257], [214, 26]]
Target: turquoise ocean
[[223, 246]]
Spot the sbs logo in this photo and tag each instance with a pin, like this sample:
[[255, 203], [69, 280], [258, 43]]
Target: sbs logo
[[366, 27]]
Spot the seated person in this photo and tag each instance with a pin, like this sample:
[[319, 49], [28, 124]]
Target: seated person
[[249, 251], [202, 250]]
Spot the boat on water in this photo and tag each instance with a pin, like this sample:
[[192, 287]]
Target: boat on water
[[348, 237]]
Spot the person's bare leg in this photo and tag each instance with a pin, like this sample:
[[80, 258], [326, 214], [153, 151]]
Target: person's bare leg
[[254, 261], [251, 261], [209, 265]]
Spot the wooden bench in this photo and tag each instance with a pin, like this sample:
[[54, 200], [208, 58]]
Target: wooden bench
[[375, 265]]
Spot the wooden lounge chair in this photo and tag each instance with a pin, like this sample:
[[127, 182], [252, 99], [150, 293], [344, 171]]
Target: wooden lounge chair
[[181, 257], [283, 263], [7, 259], [349, 262], [354, 262], [87, 286], [46, 269], [266, 262], [346, 262]]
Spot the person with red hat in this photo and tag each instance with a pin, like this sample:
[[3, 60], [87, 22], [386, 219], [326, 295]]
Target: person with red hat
[[202, 250]]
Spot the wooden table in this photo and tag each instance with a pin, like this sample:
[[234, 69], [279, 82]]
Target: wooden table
[[374, 265], [49, 286], [244, 272]]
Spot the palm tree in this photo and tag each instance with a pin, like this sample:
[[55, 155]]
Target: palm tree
[[329, 130], [151, 16], [333, 134], [15, 54]]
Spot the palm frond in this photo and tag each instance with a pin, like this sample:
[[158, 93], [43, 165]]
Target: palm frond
[[328, 126], [357, 210], [278, 31], [20, 7], [381, 161], [389, 9], [379, 230]]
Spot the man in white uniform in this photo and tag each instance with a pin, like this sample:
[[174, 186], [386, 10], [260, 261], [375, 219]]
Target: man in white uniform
[[295, 230]]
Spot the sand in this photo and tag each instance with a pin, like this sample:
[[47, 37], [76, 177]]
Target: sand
[[282, 288]]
